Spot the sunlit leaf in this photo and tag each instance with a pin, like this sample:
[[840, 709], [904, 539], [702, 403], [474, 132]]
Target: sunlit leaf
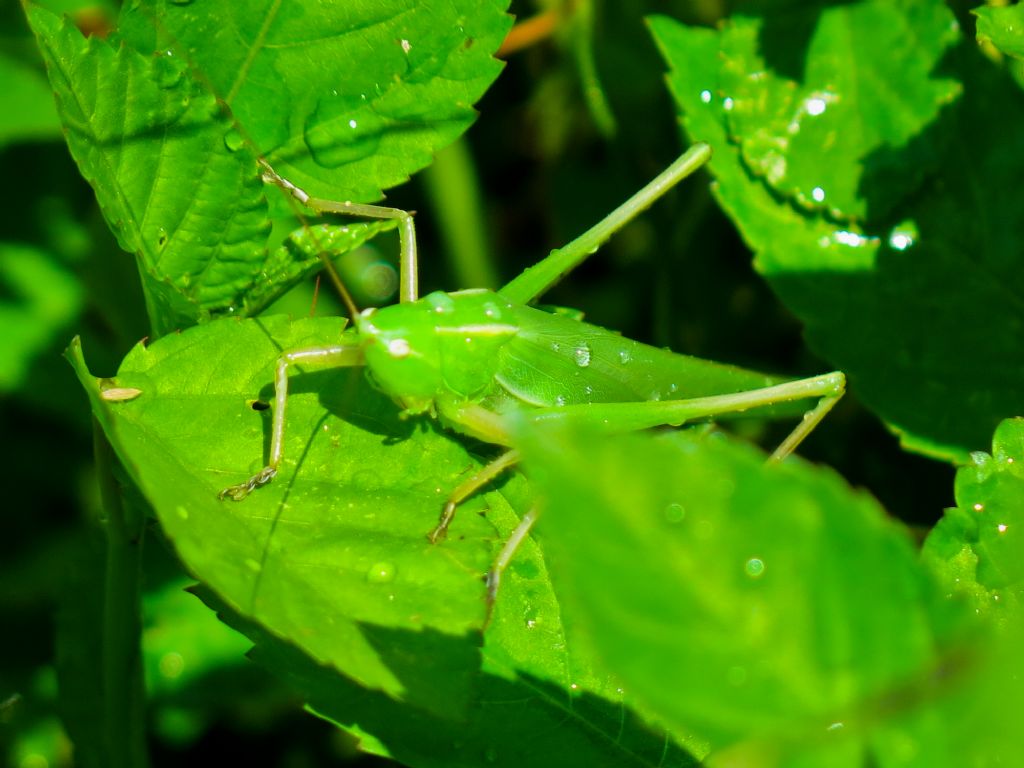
[[885, 300]]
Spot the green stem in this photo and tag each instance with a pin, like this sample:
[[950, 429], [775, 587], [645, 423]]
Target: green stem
[[583, 50], [455, 190], [124, 713], [535, 280]]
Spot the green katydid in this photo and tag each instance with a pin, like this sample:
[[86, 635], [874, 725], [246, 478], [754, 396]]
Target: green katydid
[[483, 362]]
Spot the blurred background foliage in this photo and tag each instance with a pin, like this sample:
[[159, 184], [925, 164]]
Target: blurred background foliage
[[579, 119]]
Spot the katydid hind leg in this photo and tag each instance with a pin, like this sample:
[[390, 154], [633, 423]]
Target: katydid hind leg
[[828, 389], [334, 356], [632, 416]]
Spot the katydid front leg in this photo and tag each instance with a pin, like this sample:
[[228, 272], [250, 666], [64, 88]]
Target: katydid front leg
[[335, 356]]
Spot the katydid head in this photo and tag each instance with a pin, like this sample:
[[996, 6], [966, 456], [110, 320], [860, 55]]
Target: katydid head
[[401, 354]]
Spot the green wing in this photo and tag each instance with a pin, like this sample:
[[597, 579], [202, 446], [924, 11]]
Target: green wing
[[555, 360]]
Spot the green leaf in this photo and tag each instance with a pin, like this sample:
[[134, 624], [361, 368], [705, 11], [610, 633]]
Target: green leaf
[[885, 300], [864, 86], [328, 568], [341, 533], [977, 548], [537, 699], [167, 127], [151, 142], [743, 601], [343, 99], [1002, 27]]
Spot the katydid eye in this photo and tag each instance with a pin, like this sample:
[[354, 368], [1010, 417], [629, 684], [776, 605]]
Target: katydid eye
[[399, 348]]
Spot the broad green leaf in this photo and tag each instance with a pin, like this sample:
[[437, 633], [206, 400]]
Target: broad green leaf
[[537, 700], [343, 99], [332, 552], [744, 601], [887, 300], [1002, 27], [176, 173], [150, 140], [39, 297], [328, 568], [977, 547]]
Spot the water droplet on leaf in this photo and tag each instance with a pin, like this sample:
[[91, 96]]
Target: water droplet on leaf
[[381, 573], [674, 513], [582, 355], [754, 567]]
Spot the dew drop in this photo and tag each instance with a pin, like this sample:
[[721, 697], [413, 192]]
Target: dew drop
[[979, 507], [172, 664], [816, 106], [333, 147], [169, 71], [442, 303], [381, 573], [582, 355], [705, 96], [674, 513], [818, 194], [233, 140], [754, 568], [560, 400], [624, 356], [1001, 528]]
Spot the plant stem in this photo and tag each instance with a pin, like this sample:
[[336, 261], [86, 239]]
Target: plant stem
[[124, 713], [453, 186]]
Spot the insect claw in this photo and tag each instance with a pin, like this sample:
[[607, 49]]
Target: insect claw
[[491, 580], [442, 526], [240, 491]]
